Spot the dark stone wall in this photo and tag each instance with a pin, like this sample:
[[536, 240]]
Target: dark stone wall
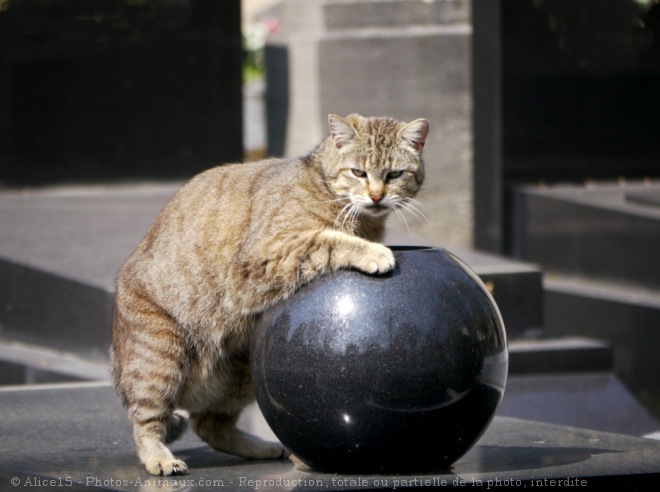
[[580, 89], [564, 91], [100, 90]]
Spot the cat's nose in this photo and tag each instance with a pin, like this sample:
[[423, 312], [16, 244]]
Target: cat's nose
[[376, 198]]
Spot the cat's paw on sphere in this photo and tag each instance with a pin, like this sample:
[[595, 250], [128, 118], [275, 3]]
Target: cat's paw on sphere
[[378, 259]]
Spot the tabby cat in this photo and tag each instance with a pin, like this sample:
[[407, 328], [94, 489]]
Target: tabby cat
[[233, 241]]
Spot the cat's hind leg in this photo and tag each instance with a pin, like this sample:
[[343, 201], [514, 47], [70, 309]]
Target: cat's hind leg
[[148, 374], [219, 431], [155, 423], [155, 456]]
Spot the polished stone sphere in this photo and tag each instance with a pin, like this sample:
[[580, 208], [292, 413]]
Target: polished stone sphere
[[390, 373]]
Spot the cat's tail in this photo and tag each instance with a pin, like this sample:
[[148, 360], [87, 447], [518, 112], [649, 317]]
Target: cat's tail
[[176, 425]]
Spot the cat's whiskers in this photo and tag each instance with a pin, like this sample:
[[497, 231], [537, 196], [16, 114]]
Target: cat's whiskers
[[417, 206], [413, 211], [351, 215], [395, 206], [346, 211], [413, 207], [343, 212], [340, 199]]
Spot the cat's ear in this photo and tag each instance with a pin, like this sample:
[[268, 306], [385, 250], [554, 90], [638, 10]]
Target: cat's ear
[[342, 131], [415, 133]]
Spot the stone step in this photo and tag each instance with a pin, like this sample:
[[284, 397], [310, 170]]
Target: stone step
[[626, 318], [60, 249], [598, 245], [571, 381], [559, 355], [606, 232], [22, 364]]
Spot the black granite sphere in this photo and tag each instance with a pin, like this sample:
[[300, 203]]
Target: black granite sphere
[[393, 373]]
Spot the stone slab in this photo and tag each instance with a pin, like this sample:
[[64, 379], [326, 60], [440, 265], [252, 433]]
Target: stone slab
[[590, 400], [82, 233], [79, 434], [24, 364], [644, 197], [590, 231], [60, 249], [559, 355], [627, 318]]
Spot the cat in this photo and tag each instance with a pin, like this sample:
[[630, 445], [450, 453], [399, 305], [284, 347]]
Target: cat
[[233, 241]]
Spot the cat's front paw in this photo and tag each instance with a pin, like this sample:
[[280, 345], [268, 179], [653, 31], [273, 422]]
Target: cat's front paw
[[166, 467], [376, 259]]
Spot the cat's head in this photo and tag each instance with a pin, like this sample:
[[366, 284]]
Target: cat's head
[[376, 162]]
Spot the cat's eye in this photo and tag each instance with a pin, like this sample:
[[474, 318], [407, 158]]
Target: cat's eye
[[394, 174], [359, 173]]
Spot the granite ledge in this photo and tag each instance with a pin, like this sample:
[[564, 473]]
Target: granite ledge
[[79, 433]]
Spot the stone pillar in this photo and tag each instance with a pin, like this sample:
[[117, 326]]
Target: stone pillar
[[402, 58]]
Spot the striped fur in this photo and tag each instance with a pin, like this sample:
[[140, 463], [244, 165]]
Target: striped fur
[[235, 240]]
